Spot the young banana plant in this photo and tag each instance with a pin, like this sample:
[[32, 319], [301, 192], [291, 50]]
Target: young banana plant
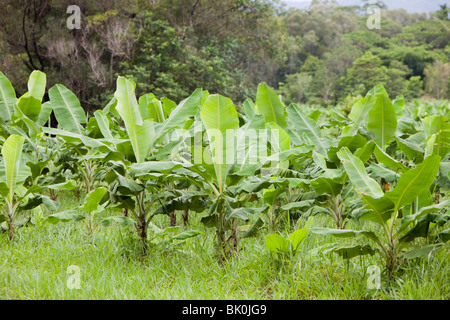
[[13, 175], [137, 181], [222, 173], [387, 209], [95, 202]]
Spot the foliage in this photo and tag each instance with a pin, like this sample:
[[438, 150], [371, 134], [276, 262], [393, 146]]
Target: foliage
[[386, 163], [170, 48]]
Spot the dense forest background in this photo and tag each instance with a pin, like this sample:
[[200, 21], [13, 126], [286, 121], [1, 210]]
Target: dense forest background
[[322, 55]]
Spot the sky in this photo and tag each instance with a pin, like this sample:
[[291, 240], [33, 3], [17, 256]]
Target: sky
[[410, 6]]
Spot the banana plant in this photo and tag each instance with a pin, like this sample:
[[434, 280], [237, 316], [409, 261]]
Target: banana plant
[[16, 197], [387, 209], [7, 99], [136, 182], [26, 117], [85, 150], [226, 163], [212, 171], [332, 184], [94, 203], [29, 113], [288, 247], [279, 183]]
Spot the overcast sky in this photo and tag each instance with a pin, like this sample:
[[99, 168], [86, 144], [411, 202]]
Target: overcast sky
[[409, 5]]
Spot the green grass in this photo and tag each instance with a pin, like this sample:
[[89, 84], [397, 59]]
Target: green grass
[[35, 266]]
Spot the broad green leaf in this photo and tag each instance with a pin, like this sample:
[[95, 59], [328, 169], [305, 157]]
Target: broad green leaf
[[77, 138], [254, 229], [111, 107], [125, 186], [443, 236], [319, 160], [382, 120], [220, 119], [151, 108], [139, 169], [326, 186], [248, 145], [21, 118], [304, 124], [358, 114], [7, 98], [297, 205], [411, 150], [381, 209], [340, 233], [379, 171], [277, 244], [44, 116], [282, 156], [271, 195], [399, 104], [434, 124], [92, 200], [68, 185], [353, 142], [270, 106], [354, 251], [4, 190], [187, 234], [430, 146], [249, 108], [421, 227], [242, 213], [413, 182], [38, 199], [12, 153], [418, 139], [67, 108], [297, 237], [388, 161], [278, 138], [358, 175], [65, 216], [365, 152], [279, 141], [22, 175], [442, 143], [422, 251], [30, 103], [185, 109], [412, 218], [168, 106], [141, 132], [122, 221], [103, 124]]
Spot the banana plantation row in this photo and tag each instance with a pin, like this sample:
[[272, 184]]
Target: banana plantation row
[[385, 164]]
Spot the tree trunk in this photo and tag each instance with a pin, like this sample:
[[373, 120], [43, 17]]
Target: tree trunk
[[173, 219], [391, 264], [185, 217], [142, 233], [10, 229], [233, 238]]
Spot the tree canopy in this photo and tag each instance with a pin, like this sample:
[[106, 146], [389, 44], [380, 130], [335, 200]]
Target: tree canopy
[[322, 54]]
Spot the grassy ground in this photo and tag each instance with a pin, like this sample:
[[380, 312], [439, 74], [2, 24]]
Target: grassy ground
[[35, 267]]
